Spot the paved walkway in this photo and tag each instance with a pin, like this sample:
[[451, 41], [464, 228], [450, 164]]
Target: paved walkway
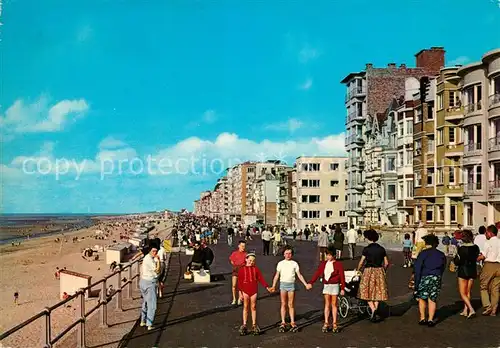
[[200, 316]]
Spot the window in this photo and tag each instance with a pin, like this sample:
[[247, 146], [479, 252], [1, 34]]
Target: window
[[453, 99], [334, 166], [429, 213], [341, 213], [409, 188], [451, 175], [391, 192], [334, 198], [401, 192], [401, 130], [409, 157], [334, 183], [400, 159], [329, 213], [391, 164], [440, 176], [430, 176], [409, 127], [451, 135], [453, 213], [310, 167], [418, 179], [310, 214], [430, 112], [310, 183], [440, 213], [440, 138], [314, 198], [418, 146], [479, 177], [430, 144], [250, 170], [379, 164], [304, 198], [440, 101]]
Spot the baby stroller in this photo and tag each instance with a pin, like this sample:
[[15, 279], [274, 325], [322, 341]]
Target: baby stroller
[[350, 301]]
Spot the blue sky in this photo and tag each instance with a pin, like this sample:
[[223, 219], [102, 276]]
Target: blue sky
[[199, 84]]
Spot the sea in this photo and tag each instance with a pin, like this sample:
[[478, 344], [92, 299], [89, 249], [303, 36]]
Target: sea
[[13, 227]]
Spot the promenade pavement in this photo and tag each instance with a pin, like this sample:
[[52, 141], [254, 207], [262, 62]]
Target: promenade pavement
[[200, 315]]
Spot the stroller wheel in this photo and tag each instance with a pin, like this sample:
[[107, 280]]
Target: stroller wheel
[[343, 306]]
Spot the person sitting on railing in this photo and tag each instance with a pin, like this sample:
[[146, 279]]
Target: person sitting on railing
[[199, 259]]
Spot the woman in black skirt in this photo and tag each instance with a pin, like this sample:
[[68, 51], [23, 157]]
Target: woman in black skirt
[[466, 261]]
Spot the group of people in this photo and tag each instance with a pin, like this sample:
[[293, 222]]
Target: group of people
[[472, 254], [246, 276]]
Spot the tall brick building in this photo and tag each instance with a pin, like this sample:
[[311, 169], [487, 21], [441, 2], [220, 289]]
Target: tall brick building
[[369, 95]]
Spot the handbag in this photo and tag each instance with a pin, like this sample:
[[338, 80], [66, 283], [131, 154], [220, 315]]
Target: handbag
[[453, 264]]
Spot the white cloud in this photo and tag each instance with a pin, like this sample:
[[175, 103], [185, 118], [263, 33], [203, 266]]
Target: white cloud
[[308, 53], [307, 84], [291, 125], [461, 60], [39, 117], [111, 143]]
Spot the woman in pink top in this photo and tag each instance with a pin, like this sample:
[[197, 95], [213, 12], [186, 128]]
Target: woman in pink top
[[238, 260]]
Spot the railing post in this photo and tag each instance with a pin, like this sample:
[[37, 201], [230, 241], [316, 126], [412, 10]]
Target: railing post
[[119, 289], [81, 334], [104, 300], [138, 278], [130, 275], [47, 333]]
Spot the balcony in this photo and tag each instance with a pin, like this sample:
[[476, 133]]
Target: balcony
[[494, 148], [472, 149], [355, 92], [473, 108], [406, 203], [454, 113], [472, 189], [494, 188], [352, 116], [454, 150], [494, 100]]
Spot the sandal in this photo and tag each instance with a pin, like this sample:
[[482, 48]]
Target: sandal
[[335, 328], [282, 327], [243, 330], [325, 328], [256, 330], [294, 327]]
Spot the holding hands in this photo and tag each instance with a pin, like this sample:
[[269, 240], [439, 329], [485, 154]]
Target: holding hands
[[309, 286], [271, 290]]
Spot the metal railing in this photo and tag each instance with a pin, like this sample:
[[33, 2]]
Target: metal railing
[[470, 147], [356, 91], [494, 185], [47, 338], [473, 107], [494, 99], [494, 144]]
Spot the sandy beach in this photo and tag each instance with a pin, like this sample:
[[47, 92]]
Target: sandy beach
[[29, 269]]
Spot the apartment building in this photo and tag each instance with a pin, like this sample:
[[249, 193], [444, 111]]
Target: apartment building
[[369, 93], [404, 141], [480, 91], [439, 150], [320, 191], [285, 197]]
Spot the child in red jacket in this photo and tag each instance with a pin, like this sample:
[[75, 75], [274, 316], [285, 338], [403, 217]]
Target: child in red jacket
[[249, 277], [332, 273]]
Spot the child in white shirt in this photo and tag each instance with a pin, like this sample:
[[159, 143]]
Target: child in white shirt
[[286, 271]]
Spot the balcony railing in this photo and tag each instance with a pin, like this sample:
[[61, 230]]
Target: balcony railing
[[494, 186], [471, 147], [354, 138], [354, 116], [494, 99], [473, 107], [494, 144], [354, 92], [472, 188]]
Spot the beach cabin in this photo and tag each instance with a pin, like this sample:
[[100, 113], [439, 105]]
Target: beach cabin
[[70, 282], [138, 241], [116, 253]]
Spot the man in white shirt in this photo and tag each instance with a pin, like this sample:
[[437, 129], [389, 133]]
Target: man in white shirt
[[266, 240], [162, 257], [480, 239], [150, 270], [352, 235], [276, 240], [490, 274]]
